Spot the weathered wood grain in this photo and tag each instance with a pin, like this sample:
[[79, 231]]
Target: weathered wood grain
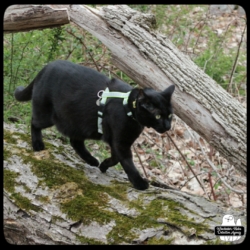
[[27, 17]]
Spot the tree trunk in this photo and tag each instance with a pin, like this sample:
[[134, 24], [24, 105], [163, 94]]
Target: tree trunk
[[50, 197], [27, 17], [152, 60]]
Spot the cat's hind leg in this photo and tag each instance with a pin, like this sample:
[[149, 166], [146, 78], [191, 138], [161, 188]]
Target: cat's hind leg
[[36, 132], [37, 141], [81, 150]]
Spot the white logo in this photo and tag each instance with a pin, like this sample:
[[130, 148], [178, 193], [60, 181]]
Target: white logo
[[228, 220]]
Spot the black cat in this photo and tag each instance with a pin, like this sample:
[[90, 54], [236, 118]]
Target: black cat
[[65, 94]]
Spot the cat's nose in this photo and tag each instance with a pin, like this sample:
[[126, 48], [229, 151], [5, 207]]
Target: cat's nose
[[167, 125]]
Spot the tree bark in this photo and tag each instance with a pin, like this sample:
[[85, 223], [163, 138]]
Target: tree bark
[[27, 17], [152, 60], [50, 197]]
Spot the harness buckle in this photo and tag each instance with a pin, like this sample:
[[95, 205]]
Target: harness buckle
[[99, 94]]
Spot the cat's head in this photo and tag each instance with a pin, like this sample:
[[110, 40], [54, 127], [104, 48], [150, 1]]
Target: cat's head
[[154, 108]]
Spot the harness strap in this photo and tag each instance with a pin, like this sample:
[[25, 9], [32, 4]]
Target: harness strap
[[102, 101], [107, 94]]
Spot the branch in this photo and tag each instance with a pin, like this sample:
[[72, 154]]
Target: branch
[[81, 41], [184, 158], [229, 87], [140, 161], [28, 17]]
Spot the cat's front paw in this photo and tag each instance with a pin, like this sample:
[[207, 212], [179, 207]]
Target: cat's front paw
[[140, 183], [93, 162], [103, 167]]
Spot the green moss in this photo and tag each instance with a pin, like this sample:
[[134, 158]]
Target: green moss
[[160, 241], [125, 229], [122, 231], [27, 189], [117, 190], [54, 173], [24, 137], [217, 241], [6, 154], [93, 204], [88, 241], [44, 199], [54, 219], [170, 210], [8, 136], [158, 208], [9, 180], [13, 137], [24, 203], [86, 209]]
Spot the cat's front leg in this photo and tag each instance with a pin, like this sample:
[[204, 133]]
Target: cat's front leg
[[133, 175], [125, 157]]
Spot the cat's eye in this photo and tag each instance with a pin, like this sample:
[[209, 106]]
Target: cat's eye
[[170, 116], [157, 117], [149, 106]]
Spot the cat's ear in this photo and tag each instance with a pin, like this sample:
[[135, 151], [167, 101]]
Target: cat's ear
[[144, 101], [167, 93], [141, 95]]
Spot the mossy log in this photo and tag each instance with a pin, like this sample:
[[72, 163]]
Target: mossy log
[[53, 197]]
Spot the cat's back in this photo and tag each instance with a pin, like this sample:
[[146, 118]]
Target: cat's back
[[118, 85], [63, 72], [61, 77]]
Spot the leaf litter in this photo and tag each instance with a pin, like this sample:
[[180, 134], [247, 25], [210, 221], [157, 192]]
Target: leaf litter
[[161, 161]]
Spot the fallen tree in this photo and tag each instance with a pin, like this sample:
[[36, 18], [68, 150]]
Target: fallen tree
[[51, 197]]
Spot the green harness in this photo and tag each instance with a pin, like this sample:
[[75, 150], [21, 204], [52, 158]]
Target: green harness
[[103, 95]]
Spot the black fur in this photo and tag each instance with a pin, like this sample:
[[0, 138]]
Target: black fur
[[65, 94]]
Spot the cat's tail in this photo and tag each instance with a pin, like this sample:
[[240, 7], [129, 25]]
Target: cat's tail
[[24, 94]]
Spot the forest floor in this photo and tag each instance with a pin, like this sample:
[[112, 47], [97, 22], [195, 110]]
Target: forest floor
[[189, 164]]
